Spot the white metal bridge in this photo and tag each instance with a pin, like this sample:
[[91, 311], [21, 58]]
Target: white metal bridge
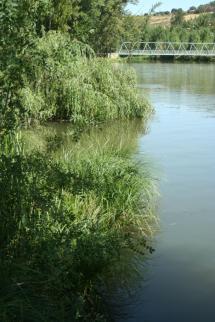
[[167, 49]]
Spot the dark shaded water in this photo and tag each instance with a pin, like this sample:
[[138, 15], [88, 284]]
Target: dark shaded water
[[179, 278]]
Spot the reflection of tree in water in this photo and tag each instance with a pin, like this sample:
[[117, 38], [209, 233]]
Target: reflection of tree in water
[[198, 78], [121, 135]]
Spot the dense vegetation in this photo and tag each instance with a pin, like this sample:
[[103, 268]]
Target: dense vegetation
[[60, 83], [201, 29], [64, 222], [64, 225], [97, 23], [55, 77]]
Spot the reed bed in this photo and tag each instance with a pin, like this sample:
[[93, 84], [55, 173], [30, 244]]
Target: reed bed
[[64, 226], [66, 218]]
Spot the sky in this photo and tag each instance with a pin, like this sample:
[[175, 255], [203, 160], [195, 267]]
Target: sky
[[145, 5]]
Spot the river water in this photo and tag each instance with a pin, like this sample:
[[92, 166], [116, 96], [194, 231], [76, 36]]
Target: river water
[[178, 282]]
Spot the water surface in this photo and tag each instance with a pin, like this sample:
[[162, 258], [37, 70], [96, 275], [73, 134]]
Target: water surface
[[177, 283], [179, 278]]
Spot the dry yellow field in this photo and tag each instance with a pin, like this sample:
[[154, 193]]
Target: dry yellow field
[[165, 20]]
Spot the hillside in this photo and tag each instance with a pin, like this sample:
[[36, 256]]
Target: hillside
[[179, 27], [164, 20]]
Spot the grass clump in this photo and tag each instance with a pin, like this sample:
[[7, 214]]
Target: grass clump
[[64, 224]]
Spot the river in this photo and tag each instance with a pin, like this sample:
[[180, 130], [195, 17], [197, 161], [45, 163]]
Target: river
[[178, 283]]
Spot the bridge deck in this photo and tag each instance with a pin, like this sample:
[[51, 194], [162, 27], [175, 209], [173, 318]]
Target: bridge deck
[[167, 49]]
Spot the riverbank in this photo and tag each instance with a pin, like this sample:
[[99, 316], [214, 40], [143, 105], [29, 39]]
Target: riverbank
[[65, 223], [164, 59], [67, 218]]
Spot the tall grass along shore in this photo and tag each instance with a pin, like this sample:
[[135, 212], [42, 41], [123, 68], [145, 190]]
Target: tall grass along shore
[[64, 221]]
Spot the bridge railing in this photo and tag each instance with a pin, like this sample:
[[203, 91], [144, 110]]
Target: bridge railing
[[167, 48]]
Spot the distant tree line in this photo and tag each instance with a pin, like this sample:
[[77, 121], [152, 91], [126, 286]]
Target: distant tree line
[[199, 30], [205, 8]]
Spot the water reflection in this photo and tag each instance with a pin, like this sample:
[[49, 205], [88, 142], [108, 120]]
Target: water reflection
[[196, 78], [59, 138], [179, 283]]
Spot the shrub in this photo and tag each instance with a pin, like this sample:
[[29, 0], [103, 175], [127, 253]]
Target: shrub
[[60, 80]]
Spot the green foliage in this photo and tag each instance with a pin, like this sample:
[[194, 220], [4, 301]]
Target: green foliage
[[98, 23], [198, 30], [178, 18], [60, 79], [64, 224], [22, 24], [63, 227]]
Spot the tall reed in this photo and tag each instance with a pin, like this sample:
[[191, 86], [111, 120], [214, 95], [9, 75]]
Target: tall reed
[[64, 225]]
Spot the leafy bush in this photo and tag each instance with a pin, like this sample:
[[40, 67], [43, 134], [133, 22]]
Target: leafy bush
[[61, 80], [82, 91]]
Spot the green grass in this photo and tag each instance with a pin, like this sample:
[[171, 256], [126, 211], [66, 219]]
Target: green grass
[[64, 225], [68, 212]]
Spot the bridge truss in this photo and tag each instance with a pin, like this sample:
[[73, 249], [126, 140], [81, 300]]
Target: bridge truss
[[167, 49]]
